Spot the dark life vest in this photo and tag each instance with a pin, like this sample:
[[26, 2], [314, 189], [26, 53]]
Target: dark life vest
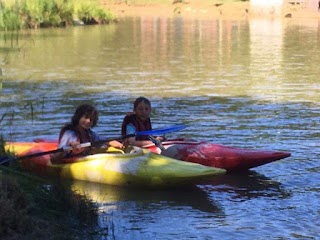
[[138, 124], [82, 138]]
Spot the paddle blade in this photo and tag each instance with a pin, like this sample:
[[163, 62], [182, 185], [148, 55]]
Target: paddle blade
[[162, 131]]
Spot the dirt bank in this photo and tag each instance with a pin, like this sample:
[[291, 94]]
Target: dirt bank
[[234, 10], [228, 10]]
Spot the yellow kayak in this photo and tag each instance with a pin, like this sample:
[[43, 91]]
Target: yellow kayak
[[139, 167]]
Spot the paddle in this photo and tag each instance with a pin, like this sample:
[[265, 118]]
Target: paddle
[[162, 131], [159, 131], [156, 142], [88, 144]]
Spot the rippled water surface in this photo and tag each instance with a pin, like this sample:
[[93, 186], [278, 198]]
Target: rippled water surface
[[246, 84]]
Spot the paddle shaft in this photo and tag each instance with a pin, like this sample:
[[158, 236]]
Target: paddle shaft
[[69, 148], [64, 149], [157, 143], [97, 143]]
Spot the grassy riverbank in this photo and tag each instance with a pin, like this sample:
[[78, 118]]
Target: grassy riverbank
[[29, 209], [32, 209], [15, 15]]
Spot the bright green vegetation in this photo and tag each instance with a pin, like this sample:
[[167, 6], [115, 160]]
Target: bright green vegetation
[[18, 14]]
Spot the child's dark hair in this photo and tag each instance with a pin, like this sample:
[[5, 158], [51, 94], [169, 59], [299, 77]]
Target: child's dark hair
[[140, 100], [85, 110]]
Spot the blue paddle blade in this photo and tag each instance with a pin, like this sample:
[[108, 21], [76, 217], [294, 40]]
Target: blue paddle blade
[[162, 131]]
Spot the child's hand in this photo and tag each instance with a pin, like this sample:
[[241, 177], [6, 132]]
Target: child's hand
[[75, 148], [161, 138], [115, 144]]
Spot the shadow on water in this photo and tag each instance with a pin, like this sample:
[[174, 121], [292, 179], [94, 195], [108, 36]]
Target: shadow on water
[[245, 186], [146, 199]]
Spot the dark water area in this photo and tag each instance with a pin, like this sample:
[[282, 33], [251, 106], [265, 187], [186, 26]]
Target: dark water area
[[244, 84]]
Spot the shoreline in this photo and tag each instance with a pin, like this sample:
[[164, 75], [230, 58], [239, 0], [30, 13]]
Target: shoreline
[[237, 10], [231, 11]]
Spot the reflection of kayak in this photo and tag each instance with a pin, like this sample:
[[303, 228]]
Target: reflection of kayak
[[138, 168], [112, 197], [215, 155], [245, 185]]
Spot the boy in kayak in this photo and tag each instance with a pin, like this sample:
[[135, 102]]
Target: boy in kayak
[[138, 121], [80, 131]]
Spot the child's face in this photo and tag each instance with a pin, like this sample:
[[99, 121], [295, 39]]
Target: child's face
[[143, 111], [85, 122]]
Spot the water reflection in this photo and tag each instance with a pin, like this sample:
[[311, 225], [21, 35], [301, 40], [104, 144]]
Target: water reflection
[[146, 200], [135, 213], [245, 186], [266, 51], [262, 59]]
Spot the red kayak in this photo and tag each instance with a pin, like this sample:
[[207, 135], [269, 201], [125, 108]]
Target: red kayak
[[214, 155]]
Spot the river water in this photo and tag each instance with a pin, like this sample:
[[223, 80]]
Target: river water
[[249, 84]]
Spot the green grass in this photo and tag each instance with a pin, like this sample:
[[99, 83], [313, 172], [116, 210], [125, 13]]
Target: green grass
[[30, 209], [15, 15], [29, 204]]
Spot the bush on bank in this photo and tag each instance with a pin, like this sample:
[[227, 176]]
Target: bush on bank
[[31, 210], [18, 14]]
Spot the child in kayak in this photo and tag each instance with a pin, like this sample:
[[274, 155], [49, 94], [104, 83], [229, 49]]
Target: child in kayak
[[80, 131], [138, 121]]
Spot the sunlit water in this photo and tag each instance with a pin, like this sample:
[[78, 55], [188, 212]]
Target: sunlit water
[[246, 84]]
